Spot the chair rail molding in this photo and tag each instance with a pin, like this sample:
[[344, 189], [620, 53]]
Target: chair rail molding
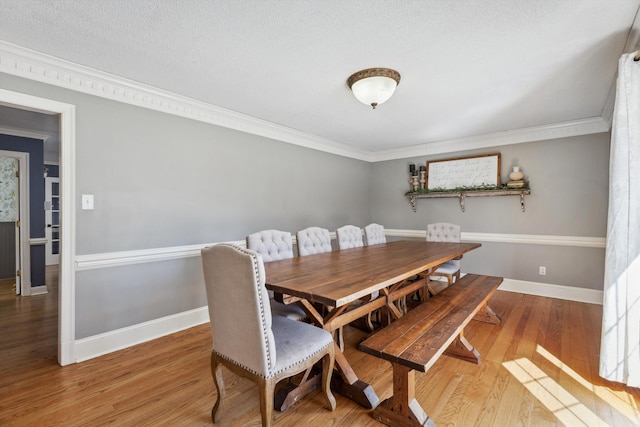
[[117, 259], [525, 239]]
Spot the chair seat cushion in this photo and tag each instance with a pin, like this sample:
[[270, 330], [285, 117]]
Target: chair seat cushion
[[291, 311], [448, 268], [296, 342]]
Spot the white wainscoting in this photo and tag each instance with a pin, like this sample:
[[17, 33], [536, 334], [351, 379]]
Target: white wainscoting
[[111, 341]]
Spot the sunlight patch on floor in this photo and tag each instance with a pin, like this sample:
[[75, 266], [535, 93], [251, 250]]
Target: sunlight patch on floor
[[569, 410], [621, 401]]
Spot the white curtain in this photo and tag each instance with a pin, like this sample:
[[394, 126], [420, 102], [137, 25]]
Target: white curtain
[[620, 346]]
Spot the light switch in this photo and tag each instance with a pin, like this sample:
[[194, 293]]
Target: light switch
[[87, 201]]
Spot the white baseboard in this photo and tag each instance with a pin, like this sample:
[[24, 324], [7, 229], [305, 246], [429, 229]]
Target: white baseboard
[[39, 290], [101, 344], [570, 293], [98, 345]]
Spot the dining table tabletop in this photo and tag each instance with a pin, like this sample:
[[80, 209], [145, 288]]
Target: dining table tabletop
[[335, 288]]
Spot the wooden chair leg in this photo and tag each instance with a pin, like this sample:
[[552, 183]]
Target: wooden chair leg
[[216, 372], [327, 370], [369, 322], [266, 387]]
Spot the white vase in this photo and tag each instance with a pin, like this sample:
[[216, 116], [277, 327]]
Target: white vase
[[516, 175]]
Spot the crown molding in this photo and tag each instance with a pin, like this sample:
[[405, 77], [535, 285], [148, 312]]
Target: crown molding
[[29, 64], [517, 136]]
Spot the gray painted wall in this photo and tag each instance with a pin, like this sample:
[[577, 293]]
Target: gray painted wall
[[569, 197], [161, 180]]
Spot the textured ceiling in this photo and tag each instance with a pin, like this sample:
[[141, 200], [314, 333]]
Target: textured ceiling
[[468, 67]]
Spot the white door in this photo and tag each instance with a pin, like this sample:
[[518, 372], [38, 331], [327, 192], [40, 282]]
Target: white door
[[52, 220]]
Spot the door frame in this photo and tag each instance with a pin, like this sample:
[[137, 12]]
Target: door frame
[[23, 284], [66, 282]]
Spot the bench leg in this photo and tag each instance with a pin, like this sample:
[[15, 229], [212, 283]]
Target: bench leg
[[461, 348], [487, 315], [402, 409]]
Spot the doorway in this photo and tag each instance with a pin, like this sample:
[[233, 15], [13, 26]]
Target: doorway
[[14, 221], [66, 288], [9, 237]]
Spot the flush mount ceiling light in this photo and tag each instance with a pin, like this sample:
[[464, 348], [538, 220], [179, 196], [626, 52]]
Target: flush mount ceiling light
[[374, 86]]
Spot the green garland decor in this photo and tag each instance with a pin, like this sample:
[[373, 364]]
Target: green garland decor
[[467, 189]]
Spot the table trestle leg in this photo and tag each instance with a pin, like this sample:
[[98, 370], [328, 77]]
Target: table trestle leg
[[402, 409]]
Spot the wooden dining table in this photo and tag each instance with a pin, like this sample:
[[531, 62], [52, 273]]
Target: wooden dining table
[[334, 288]]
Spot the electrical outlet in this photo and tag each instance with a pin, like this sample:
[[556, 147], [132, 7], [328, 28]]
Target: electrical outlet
[[542, 271]]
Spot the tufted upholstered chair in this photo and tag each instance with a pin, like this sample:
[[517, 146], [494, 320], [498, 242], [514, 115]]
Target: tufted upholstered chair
[[444, 232], [374, 234], [313, 240], [349, 237], [247, 339], [316, 240], [275, 245]]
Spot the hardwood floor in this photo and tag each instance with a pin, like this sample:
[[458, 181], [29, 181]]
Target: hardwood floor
[[539, 368]]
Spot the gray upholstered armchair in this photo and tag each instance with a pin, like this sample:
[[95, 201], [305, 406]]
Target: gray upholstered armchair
[[275, 245], [313, 240], [247, 339], [444, 232], [349, 236], [374, 234]]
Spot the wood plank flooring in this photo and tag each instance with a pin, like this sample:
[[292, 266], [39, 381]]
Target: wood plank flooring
[[539, 368]]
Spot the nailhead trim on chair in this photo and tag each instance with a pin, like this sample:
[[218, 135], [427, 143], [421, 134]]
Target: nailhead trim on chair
[[257, 258], [320, 350], [273, 374]]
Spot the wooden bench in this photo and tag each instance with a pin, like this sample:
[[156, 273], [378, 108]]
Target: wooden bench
[[416, 341]]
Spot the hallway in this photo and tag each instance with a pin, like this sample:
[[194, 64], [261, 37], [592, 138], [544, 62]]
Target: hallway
[[29, 328]]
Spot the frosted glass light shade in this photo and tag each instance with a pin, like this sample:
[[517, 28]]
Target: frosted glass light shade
[[374, 86]]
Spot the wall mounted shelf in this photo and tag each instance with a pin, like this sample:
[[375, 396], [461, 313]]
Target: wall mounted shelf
[[462, 195]]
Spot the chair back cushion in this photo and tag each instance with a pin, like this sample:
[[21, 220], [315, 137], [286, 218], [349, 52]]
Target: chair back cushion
[[349, 237], [443, 232], [239, 308], [374, 234], [313, 240], [273, 245]]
